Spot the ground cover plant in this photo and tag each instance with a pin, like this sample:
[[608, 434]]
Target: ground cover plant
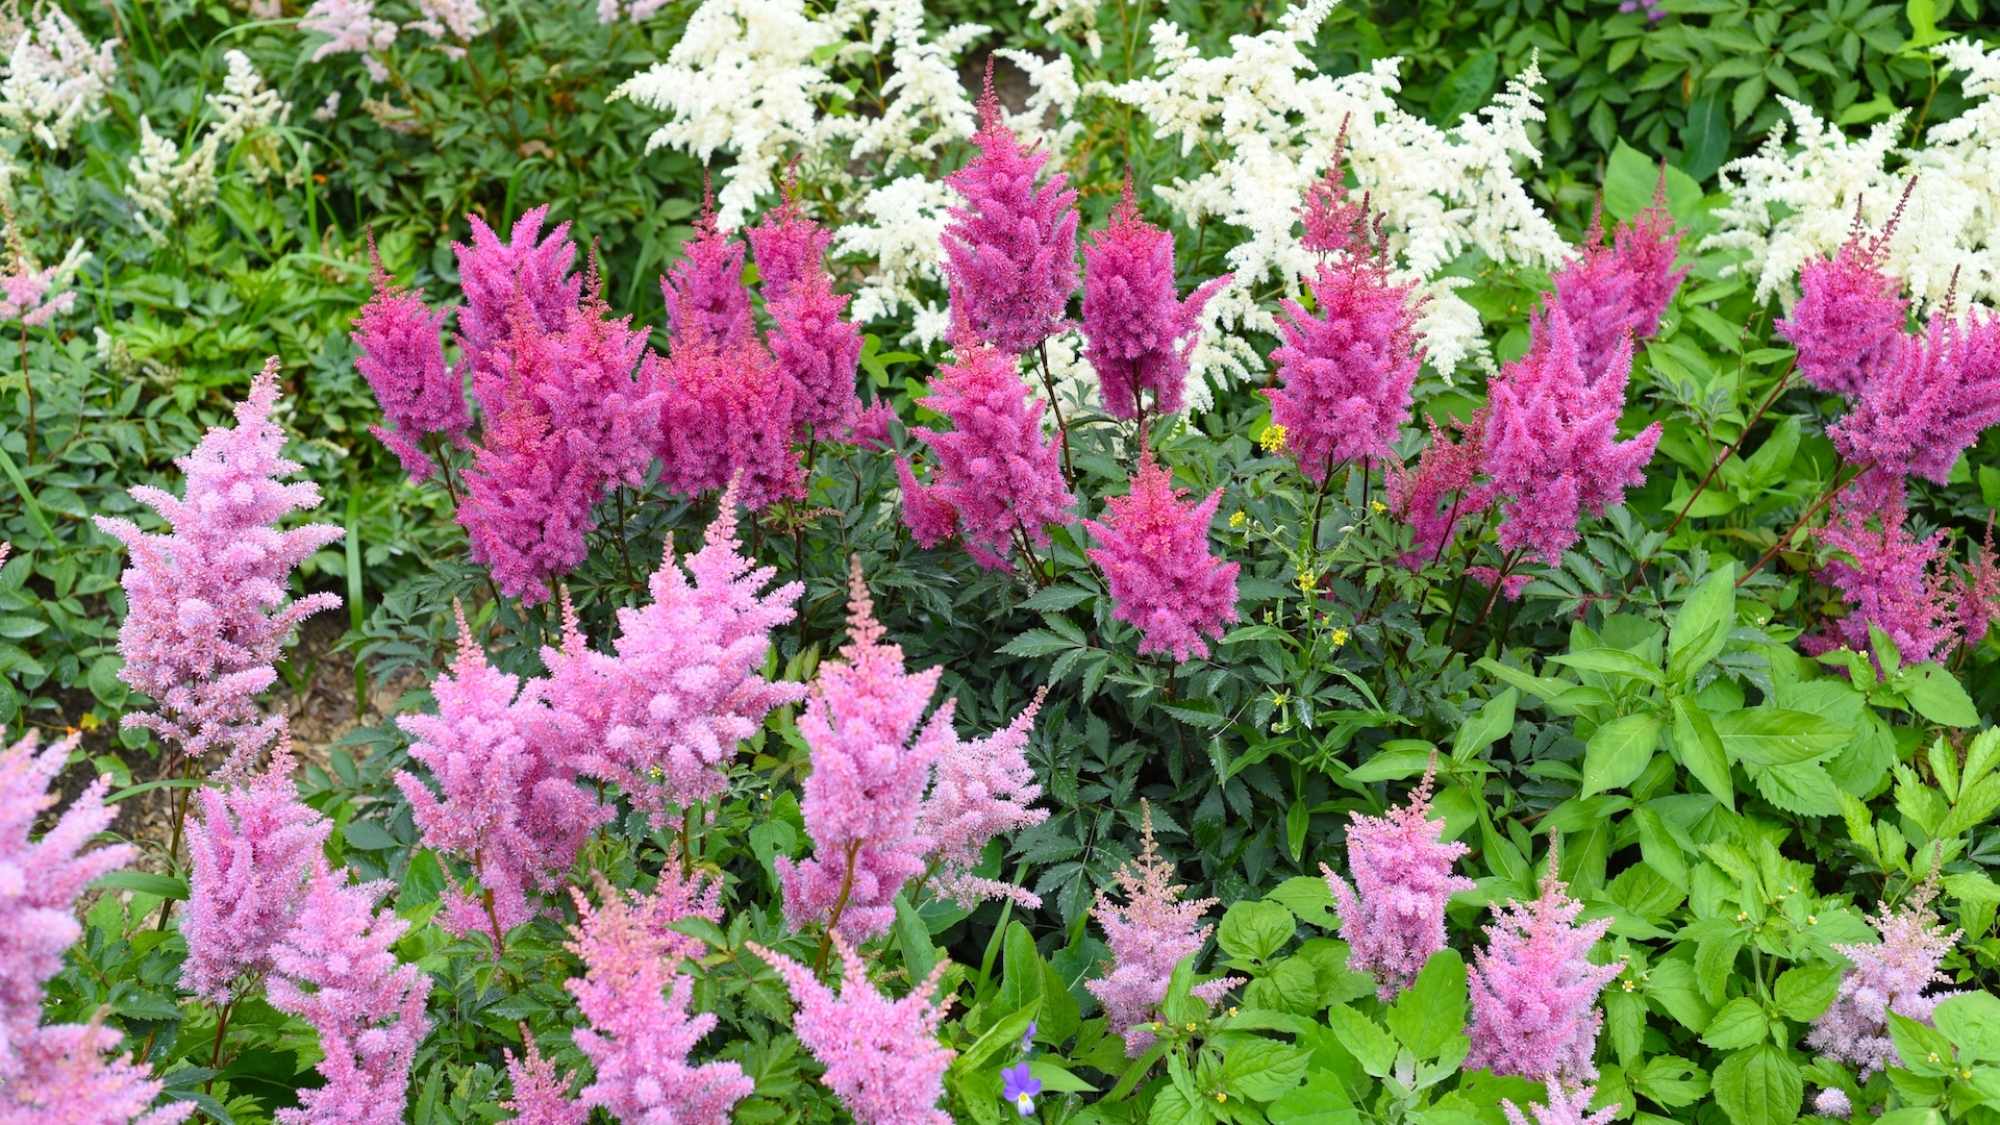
[[1187, 563]]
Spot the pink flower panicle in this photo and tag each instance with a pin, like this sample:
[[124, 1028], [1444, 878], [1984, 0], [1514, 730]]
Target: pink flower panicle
[[24, 288], [636, 1001], [870, 428], [208, 600], [882, 1057], [1438, 498], [402, 357], [707, 303], [1402, 868], [728, 414], [1832, 1102], [1133, 316], [790, 248], [495, 275], [1335, 222], [336, 969], [1928, 405], [982, 789], [1010, 253], [1562, 1108], [1155, 556], [1618, 292], [1977, 590], [872, 755], [1890, 977], [1552, 444], [1148, 936], [1896, 582], [1849, 317], [541, 1096], [251, 852], [813, 345], [997, 473], [1534, 990]]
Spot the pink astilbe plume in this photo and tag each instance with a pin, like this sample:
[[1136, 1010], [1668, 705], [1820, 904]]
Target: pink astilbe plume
[[1552, 444], [1618, 292], [982, 789], [1402, 868], [25, 286], [872, 754], [1155, 557], [1534, 990], [662, 716], [1562, 1108], [251, 851], [1895, 582], [495, 275], [1148, 936], [815, 347], [56, 1072], [402, 357], [541, 1096], [727, 415], [882, 1056], [870, 429], [1977, 590], [1928, 405], [1438, 497], [707, 304], [1335, 221], [636, 1001], [1849, 316], [208, 600], [1010, 252], [1133, 316], [1890, 977], [996, 472]]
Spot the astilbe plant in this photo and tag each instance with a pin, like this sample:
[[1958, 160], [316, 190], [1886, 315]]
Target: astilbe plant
[[1849, 316], [981, 790], [1439, 496], [998, 485], [1894, 976], [494, 275], [1894, 582], [1534, 990], [402, 357], [209, 608], [540, 1095], [1401, 865], [727, 415], [1618, 292], [56, 1072], [707, 302], [1137, 331], [1939, 391], [882, 1056], [1154, 552], [812, 343], [1563, 1107]]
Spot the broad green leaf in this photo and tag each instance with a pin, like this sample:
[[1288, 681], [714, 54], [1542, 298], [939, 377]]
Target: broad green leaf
[[143, 882], [1937, 695], [1611, 662], [1308, 897], [1618, 752], [1492, 723], [1669, 1080], [1701, 751], [1740, 1023], [1631, 178], [1802, 787], [1924, 1050], [367, 836], [1431, 1012], [1364, 1039], [1773, 736], [1254, 930], [1322, 1100], [1262, 1070], [1760, 1086], [1702, 624], [1658, 847], [1021, 971], [1057, 1080], [1391, 765], [1542, 687], [1971, 1020], [1805, 991], [919, 955]]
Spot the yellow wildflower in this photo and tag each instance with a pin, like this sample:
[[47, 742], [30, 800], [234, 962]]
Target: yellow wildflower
[[1238, 519], [1339, 637], [1272, 439]]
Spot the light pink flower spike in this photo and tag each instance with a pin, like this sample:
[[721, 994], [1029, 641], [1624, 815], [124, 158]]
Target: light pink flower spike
[[1562, 1108], [541, 1096], [1890, 977], [982, 790]]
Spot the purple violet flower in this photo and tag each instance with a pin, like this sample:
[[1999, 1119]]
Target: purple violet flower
[[1019, 1087]]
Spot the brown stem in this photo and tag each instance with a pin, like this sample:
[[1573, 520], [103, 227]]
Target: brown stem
[[1499, 583], [486, 900], [1825, 498], [839, 908], [1055, 408], [215, 1056]]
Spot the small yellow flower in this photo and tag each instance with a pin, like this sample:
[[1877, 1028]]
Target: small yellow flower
[[1934, 1056], [1308, 583], [1742, 916], [1339, 637], [1272, 439], [1190, 1027], [1629, 986], [1377, 507], [1221, 1097], [1812, 919], [1238, 519], [656, 773], [1232, 1011]]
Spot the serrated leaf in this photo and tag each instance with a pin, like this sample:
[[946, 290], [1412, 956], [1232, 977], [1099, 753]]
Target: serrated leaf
[[1760, 1086], [1431, 1012], [1774, 736], [1738, 1024], [1937, 695]]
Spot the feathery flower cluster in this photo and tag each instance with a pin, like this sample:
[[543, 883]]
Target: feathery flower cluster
[[351, 27], [55, 1071], [882, 1056], [249, 112], [1929, 404], [1561, 1108], [250, 852], [402, 357], [1848, 320], [1618, 292], [1155, 557], [1010, 252], [540, 1096], [1890, 977], [25, 285], [1833, 1103], [707, 303], [1534, 990], [1896, 582], [336, 970], [636, 1001], [1138, 332], [1402, 869], [1978, 590], [54, 79], [726, 415], [815, 348], [167, 187], [494, 275], [1439, 496], [998, 485], [982, 789], [208, 601], [1552, 445]]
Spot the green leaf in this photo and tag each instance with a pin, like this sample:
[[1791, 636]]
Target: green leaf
[[1760, 1086], [1364, 1039], [1021, 971], [1806, 991], [1701, 750], [1773, 736], [1493, 722], [1937, 695], [104, 682], [1631, 178], [1740, 1023], [1322, 1100], [1619, 752], [368, 836], [1255, 930], [1971, 1020], [1705, 137], [1612, 662], [1541, 687], [1057, 1080], [1431, 1012], [1802, 787], [1469, 86], [1037, 642], [1391, 765], [1308, 897], [1924, 1050], [1262, 1070], [143, 882], [1006, 1033], [1058, 598], [1702, 624]]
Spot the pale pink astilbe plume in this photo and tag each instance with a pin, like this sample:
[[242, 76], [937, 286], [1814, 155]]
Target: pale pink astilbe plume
[[707, 303], [351, 27], [1155, 556], [684, 685], [540, 1095], [1890, 977], [1832, 1102], [1618, 292], [997, 471], [1438, 497], [495, 275], [1347, 371], [1534, 990], [1928, 405], [25, 287], [1401, 865], [1148, 936], [882, 1056], [336, 970], [1010, 252], [1895, 582], [1552, 444], [1133, 316], [636, 1001], [402, 357], [728, 415], [208, 610], [872, 754], [251, 851], [1563, 1107], [982, 789], [1849, 316], [56, 1072]]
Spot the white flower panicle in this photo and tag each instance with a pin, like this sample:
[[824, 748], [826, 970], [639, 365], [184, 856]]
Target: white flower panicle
[[1052, 88], [247, 112], [166, 186], [901, 227], [329, 109], [54, 80], [1077, 18], [351, 27], [461, 19]]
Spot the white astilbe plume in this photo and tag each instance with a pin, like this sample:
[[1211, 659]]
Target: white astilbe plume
[[249, 110], [1052, 86], [167, 187], [927, 105], [351, 27], [1078, 18], [1792, 202], [461, 19], [54, 80], [899, 227]]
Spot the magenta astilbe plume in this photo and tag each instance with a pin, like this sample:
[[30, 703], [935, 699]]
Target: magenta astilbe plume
[[707, 304], [927, 511], [1896, 582], [208, 600], [1010, 252], [495, 275], [1977, 590], [251, 852], [996, 470], [402, 357], [1562, 1108], [815, 347], [603, 391], [1890, 977], [1402, 868], [982, 789], [1534, 990], [1335, 222], [541, 1096], [790, 249], [636, 1002], [1155, 557], [870, 429], [1439, 496], [872, 754], [1618, 292], [1148, 936], [337, 971], [1928, 405], [665, 714], [882, 1056], [1552, 444], [728, 415], [1849, 316], [1132, 314]]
